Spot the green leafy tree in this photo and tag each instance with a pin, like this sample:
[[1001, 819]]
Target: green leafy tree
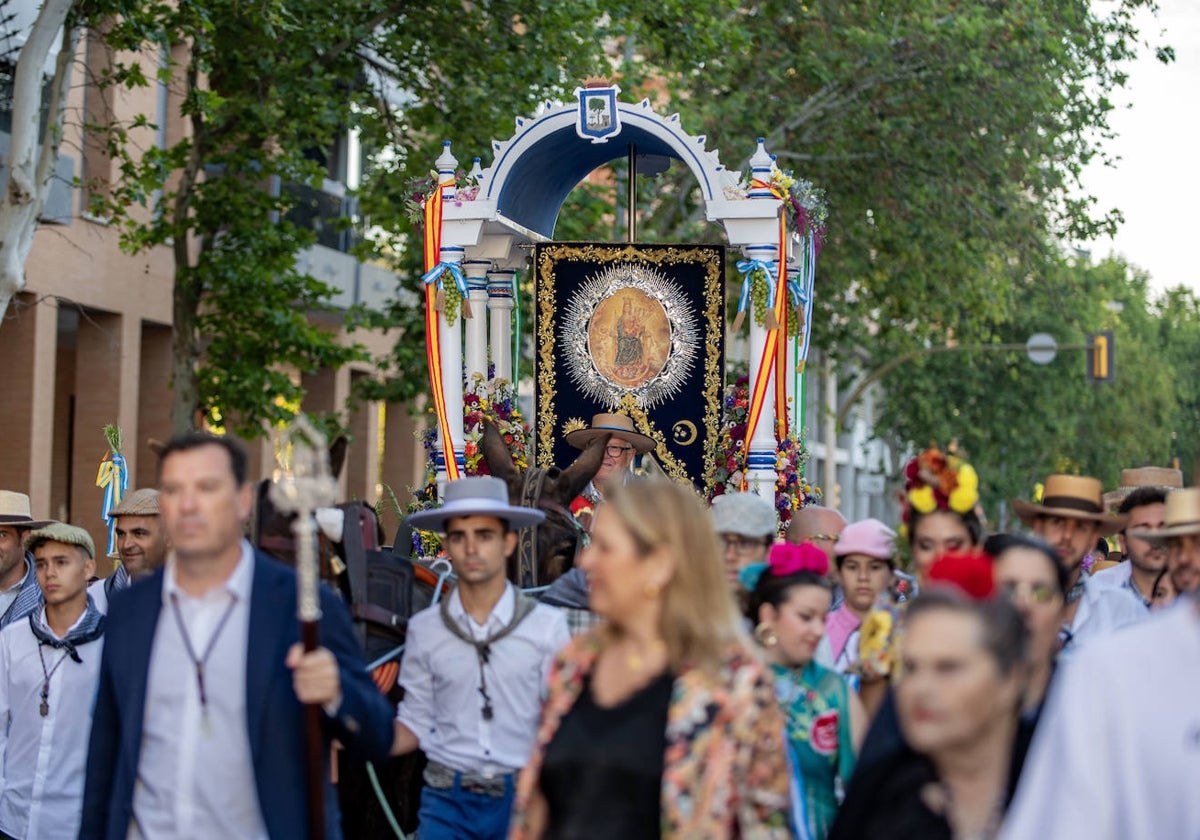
[[262, 88], [949, 136], [468, 70], [1017, 421], [1178, 326]]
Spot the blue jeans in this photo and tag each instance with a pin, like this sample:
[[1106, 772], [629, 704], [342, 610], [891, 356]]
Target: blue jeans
[[457, 814]]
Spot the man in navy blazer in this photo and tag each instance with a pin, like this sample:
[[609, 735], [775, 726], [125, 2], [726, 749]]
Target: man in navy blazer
[[198, 728]]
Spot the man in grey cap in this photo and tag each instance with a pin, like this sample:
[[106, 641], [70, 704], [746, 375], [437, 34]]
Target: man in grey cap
[[141, 541], [474, 667], [19, 592], [747, 526], [47, 688]]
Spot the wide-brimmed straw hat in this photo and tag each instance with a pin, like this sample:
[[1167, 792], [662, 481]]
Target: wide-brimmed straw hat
[[481, 495], [1181, 516], [617, 425], [1071, 497], [14, 510], [1161, 478], [142, 502]]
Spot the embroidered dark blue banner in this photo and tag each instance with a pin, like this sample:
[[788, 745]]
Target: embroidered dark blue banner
[[635, 330]]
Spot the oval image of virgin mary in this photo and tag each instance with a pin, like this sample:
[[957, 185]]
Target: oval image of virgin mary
[[629, 337]]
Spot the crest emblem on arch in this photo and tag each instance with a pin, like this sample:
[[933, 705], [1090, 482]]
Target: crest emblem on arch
[[598, 117]]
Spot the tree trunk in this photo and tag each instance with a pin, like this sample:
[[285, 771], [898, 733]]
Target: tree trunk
[[31, 160], [185, 349], [185, 339]]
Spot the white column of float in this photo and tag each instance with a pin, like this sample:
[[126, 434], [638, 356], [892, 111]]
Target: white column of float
[[451, 339], [477, 347], [760, 465], [500, 307]]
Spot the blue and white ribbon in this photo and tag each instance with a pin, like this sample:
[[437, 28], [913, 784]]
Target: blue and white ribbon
[[747, 268], [796, 293], [434, 275], [807, 278], [114, 479]]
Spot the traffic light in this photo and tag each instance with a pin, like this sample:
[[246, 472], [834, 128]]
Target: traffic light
[[1101, 356]]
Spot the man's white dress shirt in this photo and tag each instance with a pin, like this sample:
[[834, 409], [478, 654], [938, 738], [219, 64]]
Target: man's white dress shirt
[[1119, 576], [43, 758], [1102, 610], [440, 676], [195, 775], [1116, 755]]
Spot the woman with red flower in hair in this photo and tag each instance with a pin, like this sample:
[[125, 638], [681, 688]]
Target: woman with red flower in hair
[[959, 691], [789, 603]]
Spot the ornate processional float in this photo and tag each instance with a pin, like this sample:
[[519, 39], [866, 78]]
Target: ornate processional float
[[625, 327]]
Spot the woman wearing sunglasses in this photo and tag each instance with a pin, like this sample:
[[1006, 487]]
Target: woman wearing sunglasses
[[1030, 573]]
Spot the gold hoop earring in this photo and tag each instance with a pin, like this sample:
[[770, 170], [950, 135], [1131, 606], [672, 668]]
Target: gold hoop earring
[[651, 589], [765, 634]]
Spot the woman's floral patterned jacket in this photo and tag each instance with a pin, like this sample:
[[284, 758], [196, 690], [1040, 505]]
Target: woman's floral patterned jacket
[[725, 771]]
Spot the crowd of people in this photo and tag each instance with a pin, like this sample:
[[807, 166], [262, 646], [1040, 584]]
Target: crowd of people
[[695, 676]]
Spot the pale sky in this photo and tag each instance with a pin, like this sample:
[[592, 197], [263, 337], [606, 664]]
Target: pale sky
[[1157, 182]]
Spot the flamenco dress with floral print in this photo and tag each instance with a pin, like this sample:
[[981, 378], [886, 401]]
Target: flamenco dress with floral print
[[815, 706]]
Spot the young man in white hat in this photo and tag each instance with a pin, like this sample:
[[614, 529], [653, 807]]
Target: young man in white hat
[[1125, 766], [474, 668], [1071, 517], [19, 593], [1180, 536], [141, 541], [49, 666]]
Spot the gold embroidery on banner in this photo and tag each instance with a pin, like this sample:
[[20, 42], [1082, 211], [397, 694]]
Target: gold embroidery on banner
[[546, 256]]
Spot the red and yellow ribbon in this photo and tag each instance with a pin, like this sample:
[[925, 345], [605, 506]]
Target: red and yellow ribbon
[[774, 355], [433, 347]]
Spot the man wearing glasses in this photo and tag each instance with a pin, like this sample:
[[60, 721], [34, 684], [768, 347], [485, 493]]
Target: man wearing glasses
[[570, 591], [623, 444], [747, 525], [819, 525]]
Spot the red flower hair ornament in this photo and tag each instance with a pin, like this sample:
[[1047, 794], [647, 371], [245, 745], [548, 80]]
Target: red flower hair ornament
[[970, 571]]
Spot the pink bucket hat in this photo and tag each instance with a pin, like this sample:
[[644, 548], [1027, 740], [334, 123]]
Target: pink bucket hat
[[870, 537]]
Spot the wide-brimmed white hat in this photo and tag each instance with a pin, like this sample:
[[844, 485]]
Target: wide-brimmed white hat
[[14, 510], [482, 495], [1181, 516]]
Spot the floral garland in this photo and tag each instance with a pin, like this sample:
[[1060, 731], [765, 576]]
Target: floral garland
[[493, 399], [809, 217], [810, 213], [809, 210], [792, 492], [417, 193], [496, 400]]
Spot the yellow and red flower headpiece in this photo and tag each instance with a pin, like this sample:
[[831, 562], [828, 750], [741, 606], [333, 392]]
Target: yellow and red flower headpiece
[[936, 480]]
